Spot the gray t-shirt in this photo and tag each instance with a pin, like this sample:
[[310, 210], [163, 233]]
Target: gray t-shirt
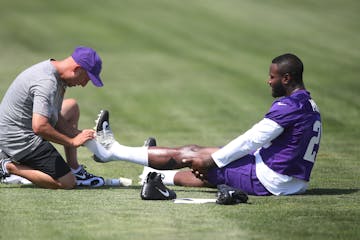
[[38, 89]]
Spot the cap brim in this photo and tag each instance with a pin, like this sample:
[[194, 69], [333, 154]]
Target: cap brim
[[95, 80]]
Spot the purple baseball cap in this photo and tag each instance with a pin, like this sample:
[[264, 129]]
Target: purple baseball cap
[[89, 60]]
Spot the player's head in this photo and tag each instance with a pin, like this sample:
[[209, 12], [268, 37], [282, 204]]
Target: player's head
[[290, 64], [285, 74]]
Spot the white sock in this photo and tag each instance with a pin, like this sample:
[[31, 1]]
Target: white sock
[[137, 155], [75, 170], [168, 175], [118, 152], [98, 149]]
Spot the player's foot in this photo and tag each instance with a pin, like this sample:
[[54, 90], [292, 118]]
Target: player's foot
[[84, 178], [144, 174], [4, 159], [150, 142], [154, 189], [104, 135]]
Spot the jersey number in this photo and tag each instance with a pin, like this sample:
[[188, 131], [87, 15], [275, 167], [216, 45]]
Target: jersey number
[[310, 154]]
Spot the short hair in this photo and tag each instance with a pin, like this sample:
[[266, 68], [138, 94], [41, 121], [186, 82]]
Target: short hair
[[291, 64]]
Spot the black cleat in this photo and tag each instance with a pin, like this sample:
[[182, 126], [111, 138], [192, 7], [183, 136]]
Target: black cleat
[[227, 195], [154, 189], [104, 134], [150, 142], [102, 122]]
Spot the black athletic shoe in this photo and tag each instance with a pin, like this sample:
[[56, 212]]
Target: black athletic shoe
[[227, 195], [154, 189], [83, 178], [104, 135], [150, 142], [102, 122], [3, 160]]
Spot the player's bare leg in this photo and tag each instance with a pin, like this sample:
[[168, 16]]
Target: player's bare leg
[[188, 179], [173, 158], [106, 149]]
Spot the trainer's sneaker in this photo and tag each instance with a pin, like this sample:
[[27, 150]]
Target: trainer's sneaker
[[4, 159], [83, 178], [227, 195], [15, 179], [154, 189], [104, 135]]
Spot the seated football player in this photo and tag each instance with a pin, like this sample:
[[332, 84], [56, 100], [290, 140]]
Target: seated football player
[[274, 157]]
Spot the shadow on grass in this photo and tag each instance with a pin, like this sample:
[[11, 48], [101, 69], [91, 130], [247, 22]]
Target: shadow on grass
[[314, 191], [78, 188], [133, 187], [330, 191]]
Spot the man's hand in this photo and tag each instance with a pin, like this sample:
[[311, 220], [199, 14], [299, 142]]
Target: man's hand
[[82, 137], [64, 135]]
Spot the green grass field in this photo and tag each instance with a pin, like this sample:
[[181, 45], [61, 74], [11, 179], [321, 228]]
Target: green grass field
[[191, 72]]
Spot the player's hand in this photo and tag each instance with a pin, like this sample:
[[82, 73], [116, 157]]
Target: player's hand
[[200, 166], [82, 137]]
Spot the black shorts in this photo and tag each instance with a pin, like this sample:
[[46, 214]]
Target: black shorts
[[46, 159]]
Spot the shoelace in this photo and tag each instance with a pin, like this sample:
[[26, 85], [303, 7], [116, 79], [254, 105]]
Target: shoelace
[[83, 171]]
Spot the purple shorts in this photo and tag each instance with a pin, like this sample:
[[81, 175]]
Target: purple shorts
[[239, 174]]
